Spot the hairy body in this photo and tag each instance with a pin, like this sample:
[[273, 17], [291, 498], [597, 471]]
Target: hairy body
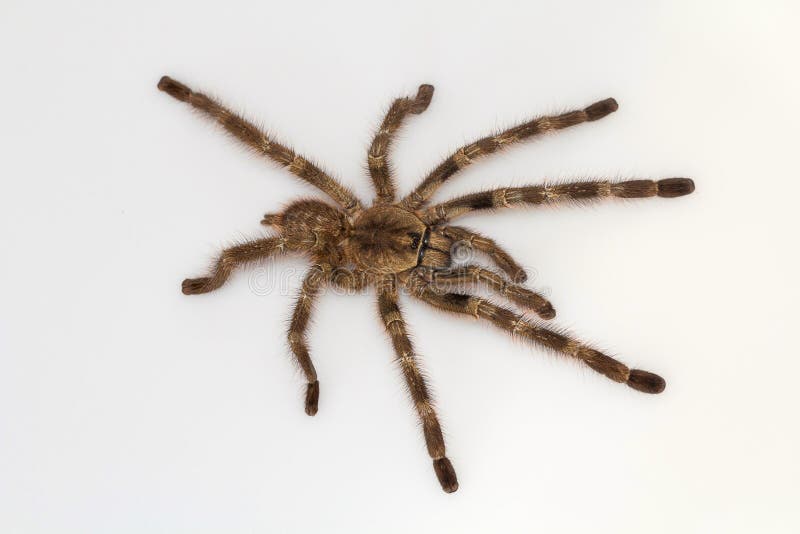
[[406, 243]]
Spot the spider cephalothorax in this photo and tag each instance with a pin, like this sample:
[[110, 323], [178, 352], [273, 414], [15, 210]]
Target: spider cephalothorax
[[408, 244]]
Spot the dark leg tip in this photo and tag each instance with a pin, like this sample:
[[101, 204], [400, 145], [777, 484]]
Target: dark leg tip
[[312, 398], [272, 219], [195, 286], [598, 110], [646, 382], [675, 187], [174, 89], [546, 312], [423, 100], [542, 307], [446, 474]]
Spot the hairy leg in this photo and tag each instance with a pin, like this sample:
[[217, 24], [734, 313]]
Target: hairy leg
[[297, 333], [272, 219], [255, 139], [586, 191], [232, 258], [376, 157], [349, 280], [395, 326], [491, 144], [487, 246], [459, 277], [563, 344]]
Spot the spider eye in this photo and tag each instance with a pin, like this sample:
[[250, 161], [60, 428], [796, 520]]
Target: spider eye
[[415, 237]]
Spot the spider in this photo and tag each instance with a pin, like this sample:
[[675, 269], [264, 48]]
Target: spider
[[409, 244]]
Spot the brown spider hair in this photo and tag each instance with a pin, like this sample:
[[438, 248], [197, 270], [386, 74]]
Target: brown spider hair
[[407, 244]]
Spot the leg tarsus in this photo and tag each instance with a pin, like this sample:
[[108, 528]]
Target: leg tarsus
[[675, 187], [446, 474], [272, 219], [598, 110], [522, 296], [196, 286], [423, 100], [646, 382], [546, 311], [312, 398], [174, 89]]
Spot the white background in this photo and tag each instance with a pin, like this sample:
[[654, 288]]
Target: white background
[[128, 407]]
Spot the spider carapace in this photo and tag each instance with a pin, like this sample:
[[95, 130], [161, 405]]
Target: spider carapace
[[408, 244]]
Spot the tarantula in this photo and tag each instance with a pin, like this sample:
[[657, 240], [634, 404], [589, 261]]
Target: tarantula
[[409, 244]]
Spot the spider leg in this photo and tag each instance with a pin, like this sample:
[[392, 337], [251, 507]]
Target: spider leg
[[491, 144], [395, 326], [486, 245], [376, 157], [349, 280], [258, 141], [517, 325], [549, 194], [313, 283], [272, 219], [232, 258], [470, 274], [298, 325]]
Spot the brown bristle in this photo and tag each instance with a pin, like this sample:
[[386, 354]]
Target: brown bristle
[[675, 187], [646, 382], [446, 474]]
